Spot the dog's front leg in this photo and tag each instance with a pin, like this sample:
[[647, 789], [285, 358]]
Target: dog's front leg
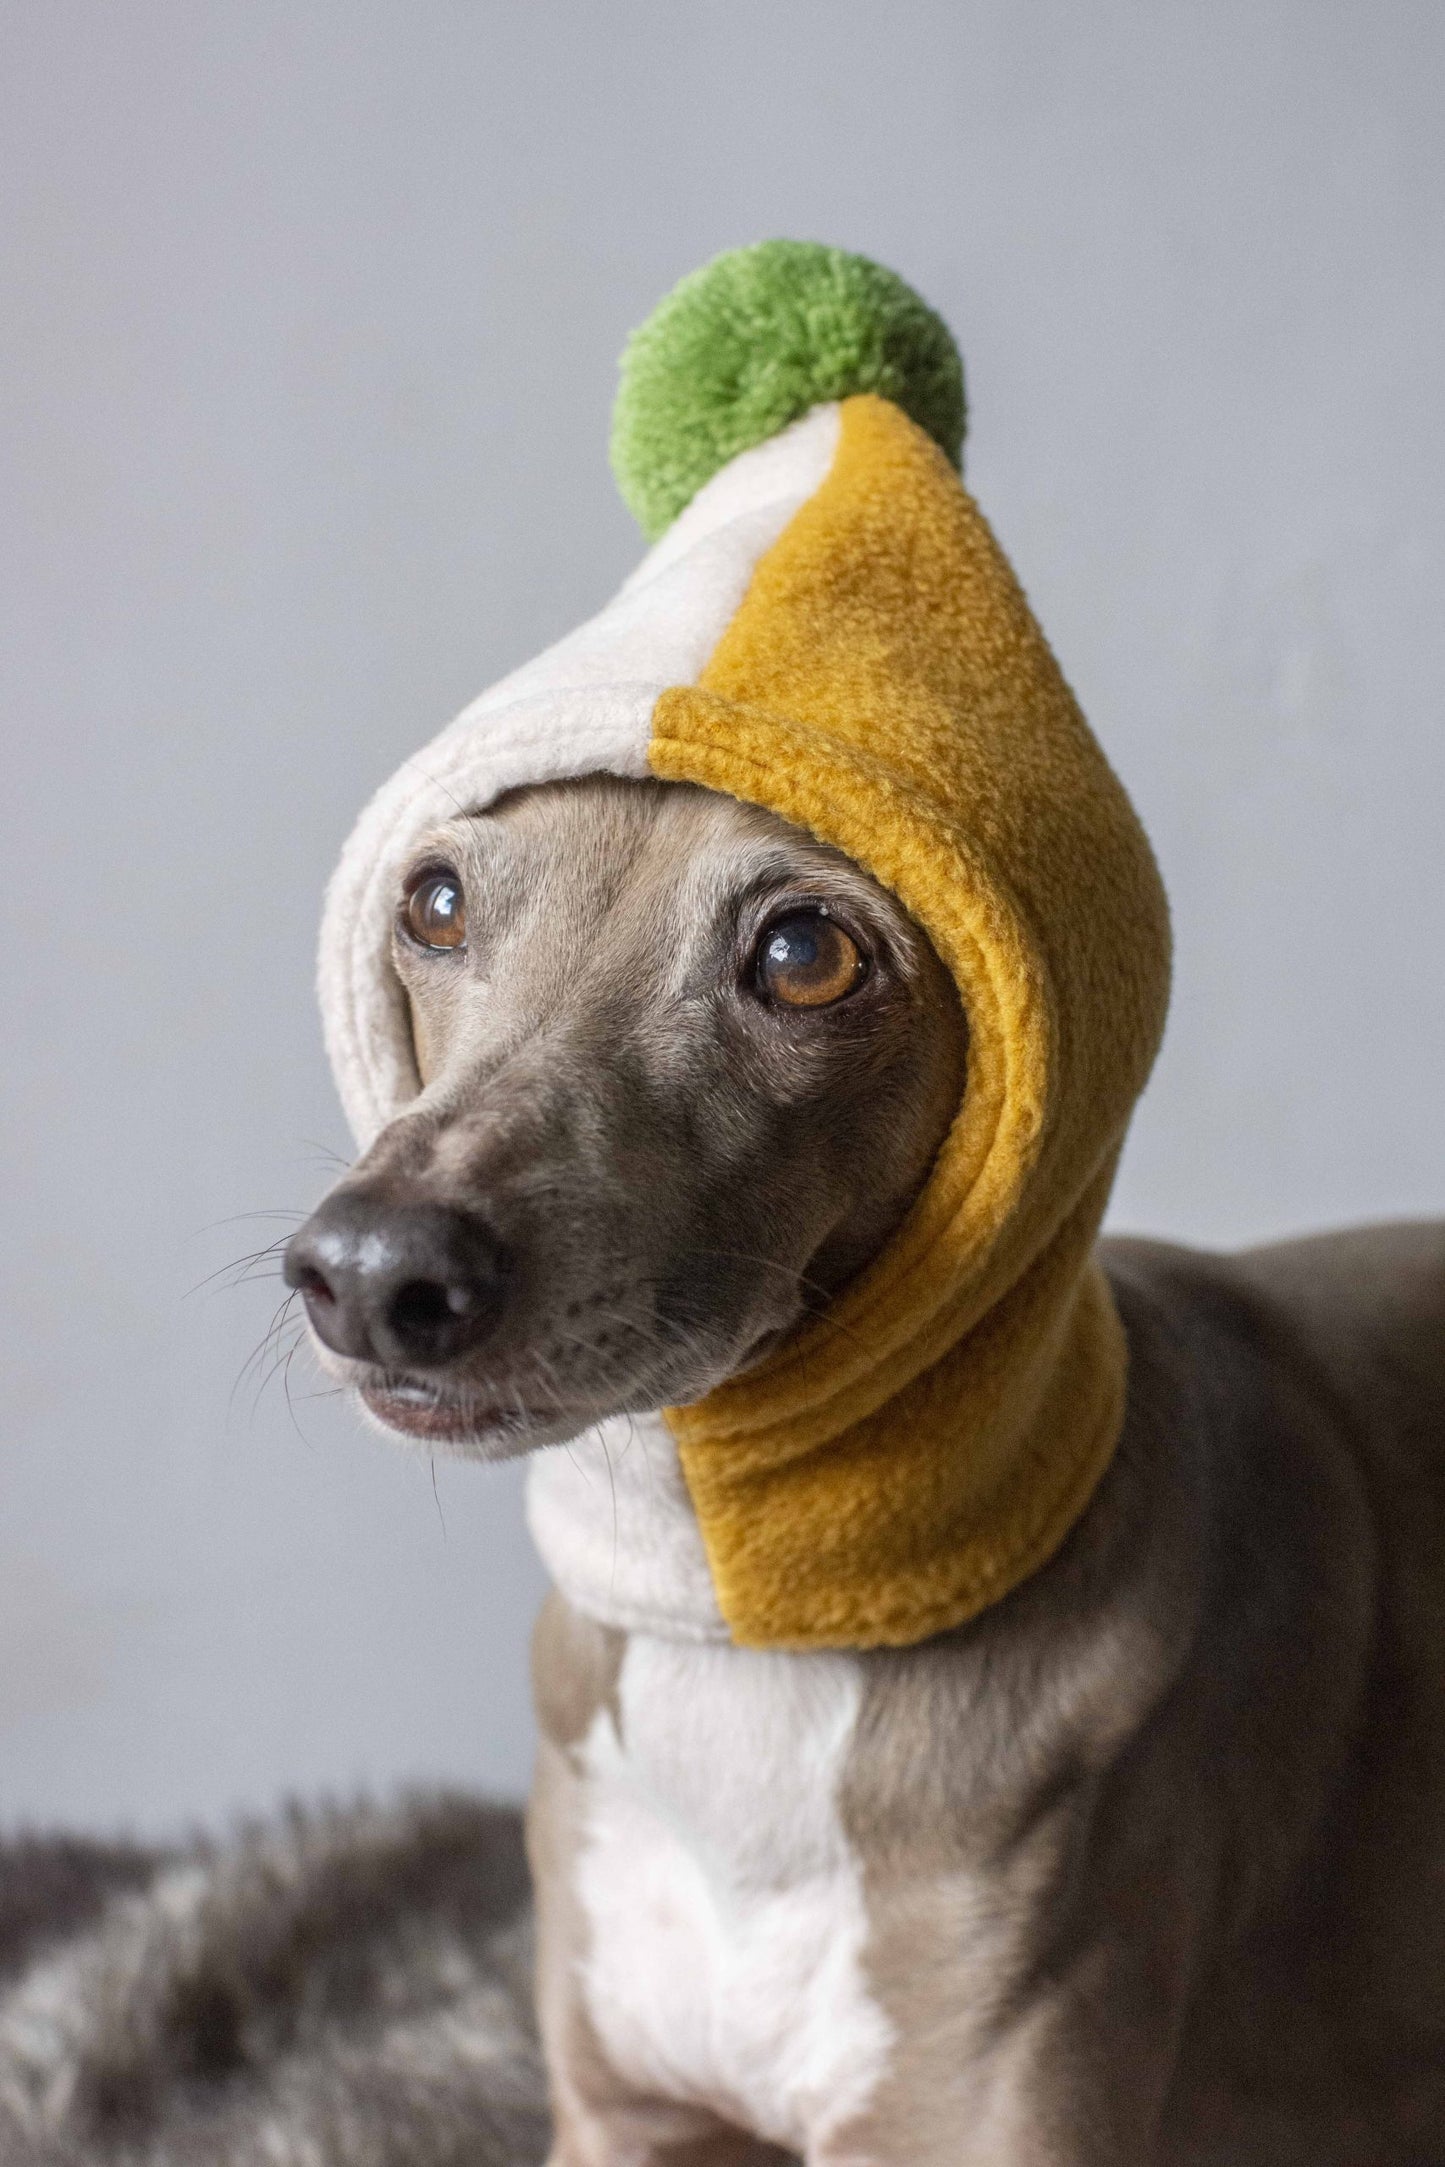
[[649, 2133], [1077, 2076]]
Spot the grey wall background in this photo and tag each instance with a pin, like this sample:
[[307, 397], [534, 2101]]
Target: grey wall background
[[309, 330]]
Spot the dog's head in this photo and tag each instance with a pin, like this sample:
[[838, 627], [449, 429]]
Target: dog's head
[[684, 1069], [645, 987]]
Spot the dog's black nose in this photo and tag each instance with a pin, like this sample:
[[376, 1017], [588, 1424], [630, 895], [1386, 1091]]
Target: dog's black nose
[[409, 1285]]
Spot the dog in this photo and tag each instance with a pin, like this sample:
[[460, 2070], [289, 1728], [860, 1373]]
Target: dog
[[1028, 1751], [1148, 1862]]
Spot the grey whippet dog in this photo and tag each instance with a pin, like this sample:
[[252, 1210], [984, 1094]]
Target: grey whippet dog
[[993, 1701]]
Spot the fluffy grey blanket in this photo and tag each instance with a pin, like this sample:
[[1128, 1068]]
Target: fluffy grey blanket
[[339, 1989]]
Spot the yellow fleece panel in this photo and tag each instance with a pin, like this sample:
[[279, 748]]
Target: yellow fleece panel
[[907, 1459]]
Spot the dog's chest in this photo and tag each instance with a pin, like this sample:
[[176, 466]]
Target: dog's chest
[[724, 1907]]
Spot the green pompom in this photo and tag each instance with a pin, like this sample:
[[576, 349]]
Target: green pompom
[[751, 341]]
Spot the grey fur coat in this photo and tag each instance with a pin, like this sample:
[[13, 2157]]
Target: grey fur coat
[[338, 1989]]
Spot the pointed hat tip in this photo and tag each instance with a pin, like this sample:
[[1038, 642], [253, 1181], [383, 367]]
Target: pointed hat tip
[[748, 343]]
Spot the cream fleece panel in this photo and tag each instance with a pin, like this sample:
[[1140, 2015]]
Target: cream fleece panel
[[615, 1528], [582, 707]]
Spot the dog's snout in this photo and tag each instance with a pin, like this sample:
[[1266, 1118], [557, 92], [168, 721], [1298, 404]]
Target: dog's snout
[[409, 1285]]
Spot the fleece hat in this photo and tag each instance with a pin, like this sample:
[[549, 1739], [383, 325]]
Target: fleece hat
[[826, 627]]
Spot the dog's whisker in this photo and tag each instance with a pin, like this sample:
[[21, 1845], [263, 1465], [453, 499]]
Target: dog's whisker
[[278, 1354], [263, 1346], [301, 1340], [612, 1486], [437, 784], [241, 1266], [236, 1218], [327, 1154], [274, 1363], [261, 1352]]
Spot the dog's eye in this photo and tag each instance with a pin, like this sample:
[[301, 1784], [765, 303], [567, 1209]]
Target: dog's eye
[[807, 962], [436, 912]]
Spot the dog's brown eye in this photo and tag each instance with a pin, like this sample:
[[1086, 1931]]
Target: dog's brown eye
[[807, 962], [436, 913]]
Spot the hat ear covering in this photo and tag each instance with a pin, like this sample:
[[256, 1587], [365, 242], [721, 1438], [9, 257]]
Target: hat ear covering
[[755, 339]]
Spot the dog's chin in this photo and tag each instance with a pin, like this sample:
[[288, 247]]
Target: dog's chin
[[460, 1424]]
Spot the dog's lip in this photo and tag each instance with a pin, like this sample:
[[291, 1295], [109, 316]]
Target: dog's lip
[[420, 1408]]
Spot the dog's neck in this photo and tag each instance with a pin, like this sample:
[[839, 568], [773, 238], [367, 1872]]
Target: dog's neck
[[615, 1517], [612, 1518]]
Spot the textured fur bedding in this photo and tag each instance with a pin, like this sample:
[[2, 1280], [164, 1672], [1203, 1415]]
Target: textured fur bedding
[[336, 1989]]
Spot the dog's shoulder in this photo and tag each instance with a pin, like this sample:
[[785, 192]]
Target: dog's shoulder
[[1370, 1304], [1363, 1307], [1311, 1375]]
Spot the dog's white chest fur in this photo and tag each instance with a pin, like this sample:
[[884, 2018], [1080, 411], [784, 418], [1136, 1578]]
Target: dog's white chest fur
[[724, 1907]]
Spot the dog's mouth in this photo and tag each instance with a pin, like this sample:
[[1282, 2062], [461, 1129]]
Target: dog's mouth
[[420, 1408]]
